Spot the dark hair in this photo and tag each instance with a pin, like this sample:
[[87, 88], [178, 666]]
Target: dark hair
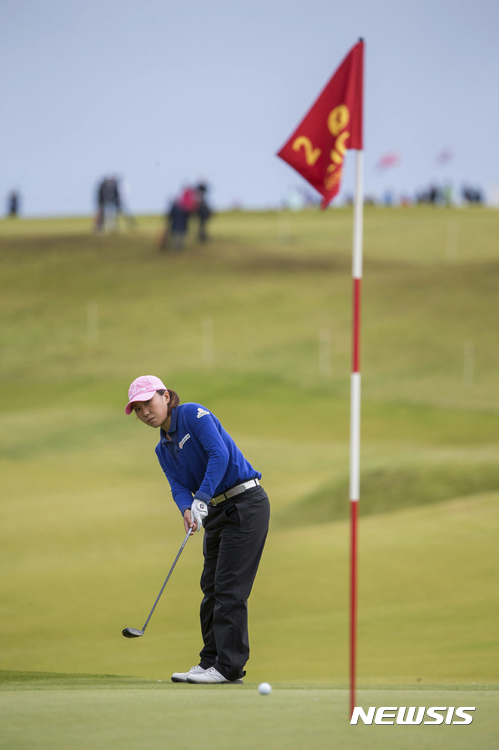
[[174, 399]]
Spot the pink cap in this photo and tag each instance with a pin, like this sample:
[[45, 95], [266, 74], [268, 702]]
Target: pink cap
[[142, 389]]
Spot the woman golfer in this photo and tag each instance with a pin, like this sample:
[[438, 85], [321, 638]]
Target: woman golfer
[[215, 487]]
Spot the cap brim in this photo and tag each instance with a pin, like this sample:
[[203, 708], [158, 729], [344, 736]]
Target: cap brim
[[138, 397]]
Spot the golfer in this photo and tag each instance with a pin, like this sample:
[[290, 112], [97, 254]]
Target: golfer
[[213, 486]]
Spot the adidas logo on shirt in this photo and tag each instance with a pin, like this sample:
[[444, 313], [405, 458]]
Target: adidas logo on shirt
[[202, 412]]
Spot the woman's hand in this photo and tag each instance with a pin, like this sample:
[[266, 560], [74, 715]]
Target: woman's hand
[[199, 511], [188, 522]]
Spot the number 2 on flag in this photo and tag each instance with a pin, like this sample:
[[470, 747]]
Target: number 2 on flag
[[311, 153]]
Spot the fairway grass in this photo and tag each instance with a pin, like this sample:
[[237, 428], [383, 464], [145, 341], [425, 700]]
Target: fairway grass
[[78, 712]]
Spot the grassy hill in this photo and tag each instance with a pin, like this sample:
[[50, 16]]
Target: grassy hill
[[88, 527]]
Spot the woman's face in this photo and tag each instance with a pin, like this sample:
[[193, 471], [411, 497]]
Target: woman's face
[[155, 411]]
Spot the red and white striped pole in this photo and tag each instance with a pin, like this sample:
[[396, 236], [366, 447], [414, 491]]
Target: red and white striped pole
[[355, 414]]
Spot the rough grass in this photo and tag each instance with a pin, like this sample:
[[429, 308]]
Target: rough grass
[[385, 490]]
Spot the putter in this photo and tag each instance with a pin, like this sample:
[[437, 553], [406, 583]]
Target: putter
[[133, 632]]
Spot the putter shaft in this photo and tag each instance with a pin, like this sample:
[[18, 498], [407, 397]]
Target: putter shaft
[[162, 589]]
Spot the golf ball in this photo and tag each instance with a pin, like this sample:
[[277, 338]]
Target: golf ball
[[264, 688]]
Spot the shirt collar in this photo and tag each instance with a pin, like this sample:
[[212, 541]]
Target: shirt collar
[[173, 426]]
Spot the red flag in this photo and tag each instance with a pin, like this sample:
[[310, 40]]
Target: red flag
[[334, 124]]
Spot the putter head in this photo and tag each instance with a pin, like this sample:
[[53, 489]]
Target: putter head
[[132, 633]]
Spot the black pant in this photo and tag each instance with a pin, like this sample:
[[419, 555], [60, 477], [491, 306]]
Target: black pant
[[234, 537]]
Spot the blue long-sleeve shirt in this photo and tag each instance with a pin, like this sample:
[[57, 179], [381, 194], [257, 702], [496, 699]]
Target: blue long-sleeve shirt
[[200, 459]]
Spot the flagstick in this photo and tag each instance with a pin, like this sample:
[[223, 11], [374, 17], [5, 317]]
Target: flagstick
[[355, 414]]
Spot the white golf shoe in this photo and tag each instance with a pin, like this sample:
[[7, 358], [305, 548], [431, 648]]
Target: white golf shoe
[[210, 676], [182, 676]]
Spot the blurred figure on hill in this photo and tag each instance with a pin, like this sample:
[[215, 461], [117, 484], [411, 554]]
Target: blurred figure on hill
[[177, 220], [472, 195], [108, 205], [203, 209], [190, 202], [99, 218], [13, 204], [432, 195], [188, 199]]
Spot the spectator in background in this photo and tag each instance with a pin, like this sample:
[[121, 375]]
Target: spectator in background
[[472, 195], [108, 205], [13, 202], [99, 216], [188, 199], [434, 194], [203, 210], [177, 222], [191, 201]]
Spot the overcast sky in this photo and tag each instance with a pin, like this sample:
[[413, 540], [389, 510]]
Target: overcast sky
[[163, 93]]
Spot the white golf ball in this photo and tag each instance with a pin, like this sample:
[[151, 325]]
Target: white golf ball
[[264, 688]]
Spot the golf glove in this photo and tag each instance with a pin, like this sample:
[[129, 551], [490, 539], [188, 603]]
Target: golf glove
[[199, 511]]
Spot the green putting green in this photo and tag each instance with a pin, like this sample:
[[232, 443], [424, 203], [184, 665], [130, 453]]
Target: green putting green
[[77, 712]]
